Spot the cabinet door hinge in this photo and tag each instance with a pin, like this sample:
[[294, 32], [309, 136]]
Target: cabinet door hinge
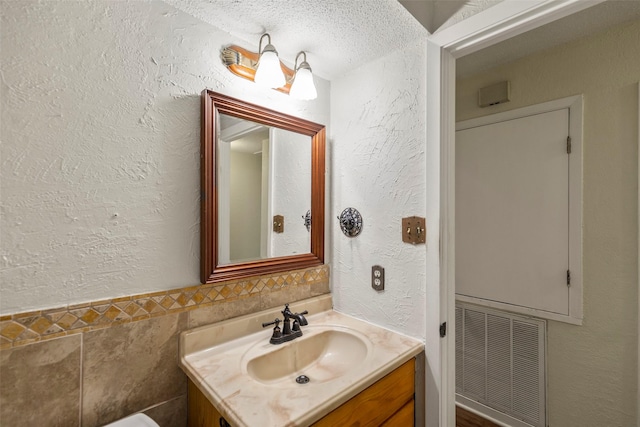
[[443, 330], [568, 145], [568, 277]]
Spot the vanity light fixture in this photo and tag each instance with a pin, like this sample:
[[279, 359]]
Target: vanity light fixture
[[302, 86], [268, 72], [266, 69]]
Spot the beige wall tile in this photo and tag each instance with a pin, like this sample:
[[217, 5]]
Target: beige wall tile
[[224, 310], [131, 367], [287, 295], [320, 288], [40, 384], [170, 414], [25, 328]]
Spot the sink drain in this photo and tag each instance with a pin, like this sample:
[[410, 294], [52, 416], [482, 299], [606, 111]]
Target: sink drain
[[302, 379]]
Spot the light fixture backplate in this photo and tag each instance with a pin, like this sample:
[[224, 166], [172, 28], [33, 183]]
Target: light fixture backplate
[[243, 63]]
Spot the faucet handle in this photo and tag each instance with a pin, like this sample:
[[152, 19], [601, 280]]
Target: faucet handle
[[277, 333], [275, 322], [286, 312]]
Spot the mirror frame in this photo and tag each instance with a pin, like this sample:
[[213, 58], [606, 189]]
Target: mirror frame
[[210, 271]]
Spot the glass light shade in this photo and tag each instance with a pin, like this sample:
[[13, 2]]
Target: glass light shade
[[303, 87], [269, 73]]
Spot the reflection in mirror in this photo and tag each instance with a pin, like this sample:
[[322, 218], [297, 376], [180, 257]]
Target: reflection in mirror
[[263, 171], [262, 201]]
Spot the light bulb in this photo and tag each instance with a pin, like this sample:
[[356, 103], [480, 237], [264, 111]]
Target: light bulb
[[269, 73], [303, 87]]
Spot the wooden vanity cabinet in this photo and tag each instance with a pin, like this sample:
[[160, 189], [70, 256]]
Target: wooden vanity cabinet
[[387, 403], [200, 412]]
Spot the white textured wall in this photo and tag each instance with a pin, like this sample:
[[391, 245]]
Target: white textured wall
[[592, 368], [100, 134], [378, 144]]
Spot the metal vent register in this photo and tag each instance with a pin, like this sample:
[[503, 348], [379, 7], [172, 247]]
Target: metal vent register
[[500, 365]]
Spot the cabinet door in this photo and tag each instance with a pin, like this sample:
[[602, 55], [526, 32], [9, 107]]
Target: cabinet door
[[404, 417], [376, 404], [201, 412], [512, 212]]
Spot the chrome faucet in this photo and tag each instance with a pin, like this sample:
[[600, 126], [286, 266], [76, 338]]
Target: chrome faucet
[[289, 332]]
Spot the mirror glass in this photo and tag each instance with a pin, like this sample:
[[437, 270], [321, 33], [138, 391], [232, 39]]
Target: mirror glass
[[264, 191]]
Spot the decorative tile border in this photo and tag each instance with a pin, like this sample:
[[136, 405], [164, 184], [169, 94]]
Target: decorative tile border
[[25, 328]]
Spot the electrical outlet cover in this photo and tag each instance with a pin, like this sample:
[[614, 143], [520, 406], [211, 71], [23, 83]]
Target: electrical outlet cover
[[377, 278]]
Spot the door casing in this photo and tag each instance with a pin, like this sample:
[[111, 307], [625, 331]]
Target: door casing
[[500, 22]]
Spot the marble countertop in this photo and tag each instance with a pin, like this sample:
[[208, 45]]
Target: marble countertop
[[215, 359]]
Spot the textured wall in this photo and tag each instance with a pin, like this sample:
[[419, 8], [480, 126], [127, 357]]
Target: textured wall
[[378, 145], [592, 368], [100, 161]]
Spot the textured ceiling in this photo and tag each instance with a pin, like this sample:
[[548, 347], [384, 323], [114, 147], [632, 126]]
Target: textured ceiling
[[436, 15], [338, 35], [589, 21]]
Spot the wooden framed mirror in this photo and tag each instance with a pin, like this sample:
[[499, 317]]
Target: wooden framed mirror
[[290, 154]]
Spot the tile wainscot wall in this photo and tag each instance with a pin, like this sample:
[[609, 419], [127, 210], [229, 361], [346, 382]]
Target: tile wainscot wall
[[93, 363]]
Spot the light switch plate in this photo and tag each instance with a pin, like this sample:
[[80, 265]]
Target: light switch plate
[[377, 278], [278, 224], [414, 230]]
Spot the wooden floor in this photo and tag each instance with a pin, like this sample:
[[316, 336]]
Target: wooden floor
[[465, 418]]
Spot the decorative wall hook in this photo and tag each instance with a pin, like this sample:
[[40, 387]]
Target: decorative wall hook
[[350, 222], [307, 220]]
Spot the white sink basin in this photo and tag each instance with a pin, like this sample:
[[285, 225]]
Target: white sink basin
[[322, 354], [253, 383]]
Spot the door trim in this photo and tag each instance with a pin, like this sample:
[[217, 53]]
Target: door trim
[[500, 22]]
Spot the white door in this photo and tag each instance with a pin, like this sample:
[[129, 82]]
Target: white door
[[512, 212], [224, 201], [291, 191]]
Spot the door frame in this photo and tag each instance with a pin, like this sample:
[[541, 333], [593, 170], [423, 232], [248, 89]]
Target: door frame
[[500, 22]]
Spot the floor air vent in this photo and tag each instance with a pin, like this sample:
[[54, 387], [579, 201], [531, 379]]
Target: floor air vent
[[500, 365]]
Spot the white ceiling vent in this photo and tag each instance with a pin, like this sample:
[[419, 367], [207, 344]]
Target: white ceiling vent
[[500, 365]]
